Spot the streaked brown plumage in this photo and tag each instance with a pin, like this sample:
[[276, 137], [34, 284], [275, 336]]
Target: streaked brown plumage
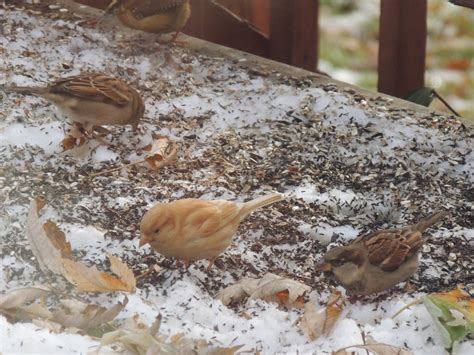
[[92, 100], [193, 229], [380, 260], [153, 16]]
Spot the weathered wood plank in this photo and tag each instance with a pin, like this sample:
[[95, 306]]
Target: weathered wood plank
[[402, 46]]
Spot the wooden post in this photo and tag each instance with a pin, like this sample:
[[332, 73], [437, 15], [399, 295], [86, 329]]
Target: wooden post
[[294, 32], [402, 46]]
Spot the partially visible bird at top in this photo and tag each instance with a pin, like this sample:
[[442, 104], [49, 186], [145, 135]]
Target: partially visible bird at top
[[153, 16], [193, 229], [90, 101]]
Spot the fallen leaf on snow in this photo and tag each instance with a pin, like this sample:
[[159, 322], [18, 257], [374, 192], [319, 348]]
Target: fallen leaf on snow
[[49, 257], [77, 314], [53, 253], [21, 296], [138, 338], [453, 313], [162, 153], [316, 323], [270, 287], [375, 348], [89, 279]]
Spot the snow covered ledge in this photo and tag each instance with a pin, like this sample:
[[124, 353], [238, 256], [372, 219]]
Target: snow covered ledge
[[349, 161]]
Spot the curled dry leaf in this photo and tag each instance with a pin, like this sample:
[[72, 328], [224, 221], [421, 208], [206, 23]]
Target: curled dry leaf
[[270, 287], [375, 348], [320, 322], [162, 153], [89, 279], [53, 253], [77, 314], [21, 296], [138, 338], [49, 257]]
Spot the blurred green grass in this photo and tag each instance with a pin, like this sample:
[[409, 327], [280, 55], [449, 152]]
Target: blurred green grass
[[349, 45]]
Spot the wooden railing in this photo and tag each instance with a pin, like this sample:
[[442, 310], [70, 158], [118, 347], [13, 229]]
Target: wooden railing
[[287, 31]]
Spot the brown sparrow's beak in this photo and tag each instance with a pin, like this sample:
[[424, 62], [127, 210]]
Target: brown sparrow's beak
[[143, 240], [324, 267]]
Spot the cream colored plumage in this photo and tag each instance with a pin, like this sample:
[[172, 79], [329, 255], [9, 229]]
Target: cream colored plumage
[[193, 229]]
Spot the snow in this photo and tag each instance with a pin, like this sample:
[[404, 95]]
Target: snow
[[184, 305]]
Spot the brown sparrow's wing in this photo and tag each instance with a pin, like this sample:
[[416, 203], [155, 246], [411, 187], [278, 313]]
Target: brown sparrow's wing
[[145, 8], [95, 87], [216, 216], [391, 248]]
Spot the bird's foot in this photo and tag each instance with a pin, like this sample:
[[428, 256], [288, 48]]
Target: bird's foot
[[169, 41], [211, 264]]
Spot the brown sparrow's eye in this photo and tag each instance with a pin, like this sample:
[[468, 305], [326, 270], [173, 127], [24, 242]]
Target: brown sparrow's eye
[[157, 230], [338, 262]]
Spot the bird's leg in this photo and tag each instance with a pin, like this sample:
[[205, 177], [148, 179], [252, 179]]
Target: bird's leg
[[211, 263], [169, 41], [76, 133], [99, 132], [408, 286]]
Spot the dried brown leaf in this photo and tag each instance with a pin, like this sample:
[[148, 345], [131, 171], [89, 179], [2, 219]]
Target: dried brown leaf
[[376, 348], [48, 324], [58, 239], [277, 289], [48, 256], [231, 294], [320, 322], [77, 314], [89, 279], [40, 203], [270, 287], [162, 153], [21, 296]]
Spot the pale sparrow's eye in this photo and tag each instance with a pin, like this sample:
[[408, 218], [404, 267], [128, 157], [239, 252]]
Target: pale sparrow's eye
[[157, 230]]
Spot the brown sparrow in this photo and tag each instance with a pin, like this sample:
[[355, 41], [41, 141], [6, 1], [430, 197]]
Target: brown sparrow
[[153, 16], [379, 260], [193, 229], [91, 100]]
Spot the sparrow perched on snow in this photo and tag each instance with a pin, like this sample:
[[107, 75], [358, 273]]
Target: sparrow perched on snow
[[153, 16], [91, 100], [193, 229], [379, 260]]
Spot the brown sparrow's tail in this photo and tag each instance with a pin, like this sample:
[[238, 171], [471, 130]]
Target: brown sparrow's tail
[[260, 202], [429, 221], [24, 90]]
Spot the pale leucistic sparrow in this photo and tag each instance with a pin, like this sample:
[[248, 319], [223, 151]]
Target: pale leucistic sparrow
[[193, 229], [379, 260], [153, 16]]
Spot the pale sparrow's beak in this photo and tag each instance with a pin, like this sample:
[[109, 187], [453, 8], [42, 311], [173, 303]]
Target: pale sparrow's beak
[[143, 240]]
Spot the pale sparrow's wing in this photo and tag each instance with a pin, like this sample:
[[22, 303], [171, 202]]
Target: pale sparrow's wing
[[216, 216]]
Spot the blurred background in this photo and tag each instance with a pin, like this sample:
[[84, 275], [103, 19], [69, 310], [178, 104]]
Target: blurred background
[[341, 38], [349, 47]]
